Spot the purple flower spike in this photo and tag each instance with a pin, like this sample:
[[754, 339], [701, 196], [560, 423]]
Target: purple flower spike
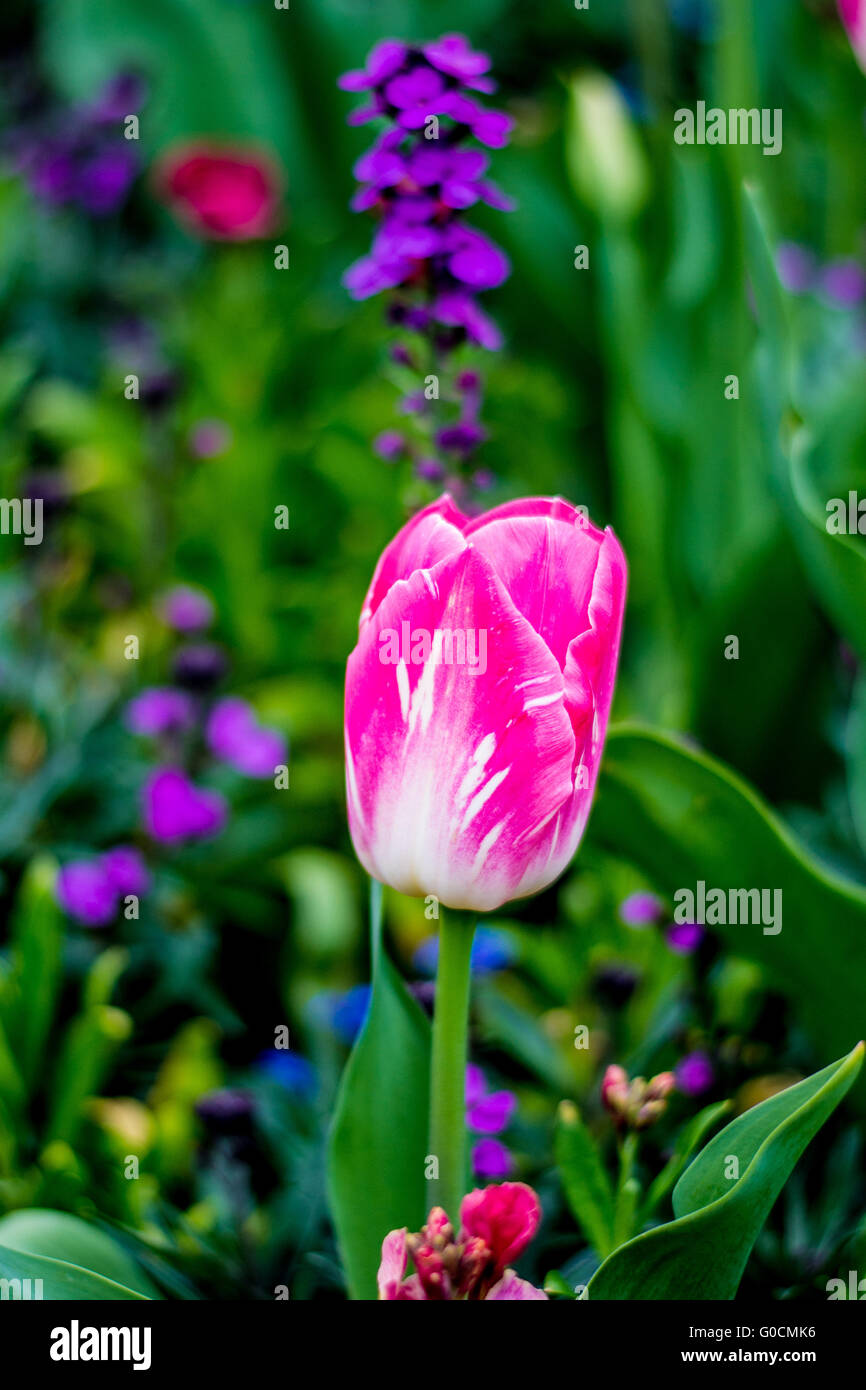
[[422, 173]]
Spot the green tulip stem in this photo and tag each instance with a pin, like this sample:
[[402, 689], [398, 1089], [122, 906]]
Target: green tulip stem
[[448, 1070]]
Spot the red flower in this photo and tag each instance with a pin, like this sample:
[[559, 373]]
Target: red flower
[[229, 193], [505, 1217]]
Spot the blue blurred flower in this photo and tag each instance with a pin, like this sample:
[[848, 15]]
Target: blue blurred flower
[[290, 1070], [491, 950]]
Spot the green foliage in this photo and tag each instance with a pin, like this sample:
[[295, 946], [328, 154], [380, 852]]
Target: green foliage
[[378, 1139], [720, 1210]]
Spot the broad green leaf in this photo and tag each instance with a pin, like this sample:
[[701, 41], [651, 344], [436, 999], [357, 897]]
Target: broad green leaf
[[56, 1280], [584, 1178], [721, 1206], [683, 817], [689, 1137], [59, 1236], [378, 1138]]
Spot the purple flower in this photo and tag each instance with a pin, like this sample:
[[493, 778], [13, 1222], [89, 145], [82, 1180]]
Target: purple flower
[[844, 282], [390, 445], [209, 438], [641, 909], [160, 710], [383, 60], [186, 609], [234, 735], [461, 438], [795, 265], [451, 54], [491, 1159], [126, 871], [85, 892], [684, 937], [176, 810], [695, 1074], [487, 1112]]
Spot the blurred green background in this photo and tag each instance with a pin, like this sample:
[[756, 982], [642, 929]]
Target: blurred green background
[[154, 1037]]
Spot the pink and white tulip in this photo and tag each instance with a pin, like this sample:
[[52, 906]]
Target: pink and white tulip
[[853, 14], [472, 779]]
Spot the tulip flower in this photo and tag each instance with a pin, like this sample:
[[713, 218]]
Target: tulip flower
[[853, 14], [477, 699], [496, 1225]]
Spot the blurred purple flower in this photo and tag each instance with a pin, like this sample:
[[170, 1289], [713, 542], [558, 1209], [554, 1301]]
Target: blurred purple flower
[[795, 265], [85, 892], [491, 1159], [175, 809], [641, 909], [126, 871], [209, 438], [389, 445], [844, 282], [487, 1112], [234, 735], [684, 937], [695, 1074], [186, 609], [160, 710]]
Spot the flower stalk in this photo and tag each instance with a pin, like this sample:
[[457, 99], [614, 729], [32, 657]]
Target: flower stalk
[[448, 1137]]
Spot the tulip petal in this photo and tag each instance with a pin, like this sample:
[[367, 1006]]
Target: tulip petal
[[430, 535], [457, 776], [547, 561], [393, 1266], [511, 1287]]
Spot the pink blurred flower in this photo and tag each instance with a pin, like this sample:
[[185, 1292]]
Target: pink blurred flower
[[175, 809], [497, 1223], [228, 193], [472, 778], [853, 14]]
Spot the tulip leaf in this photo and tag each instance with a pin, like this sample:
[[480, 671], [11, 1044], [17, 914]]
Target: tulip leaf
[[721, 1204], [378, 1139], [65, 1239], [584, 1179], [689, 1137], [684, 818]]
